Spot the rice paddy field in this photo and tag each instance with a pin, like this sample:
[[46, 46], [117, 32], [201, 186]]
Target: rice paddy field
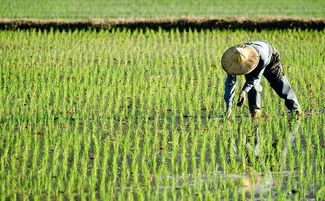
[[85, 9], [123, 115]]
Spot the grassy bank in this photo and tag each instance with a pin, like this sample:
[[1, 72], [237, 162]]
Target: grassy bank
[[85, 9]]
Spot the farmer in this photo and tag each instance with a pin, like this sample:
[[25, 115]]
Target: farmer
[[254, 59]]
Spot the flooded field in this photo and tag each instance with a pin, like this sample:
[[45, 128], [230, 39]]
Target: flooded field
[[123, 115]]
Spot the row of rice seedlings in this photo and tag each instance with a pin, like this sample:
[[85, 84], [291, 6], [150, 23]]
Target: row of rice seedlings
[[98, 115]]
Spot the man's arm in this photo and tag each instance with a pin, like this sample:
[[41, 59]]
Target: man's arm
[[230, 85], [252, 79]]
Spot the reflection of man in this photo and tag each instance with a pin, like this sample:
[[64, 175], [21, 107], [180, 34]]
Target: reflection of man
[[259, 182], [253, 60]]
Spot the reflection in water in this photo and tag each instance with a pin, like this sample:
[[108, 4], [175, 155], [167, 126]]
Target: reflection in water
[[257, 182], [253, 182], [260, 183]]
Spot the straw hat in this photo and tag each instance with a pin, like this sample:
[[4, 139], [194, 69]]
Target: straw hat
[[240, 59]]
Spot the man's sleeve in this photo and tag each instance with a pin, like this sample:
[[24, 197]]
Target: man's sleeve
[[230, 85], [252, 80]]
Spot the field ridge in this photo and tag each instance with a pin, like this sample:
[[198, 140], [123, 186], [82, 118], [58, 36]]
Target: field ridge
[[183, 23]]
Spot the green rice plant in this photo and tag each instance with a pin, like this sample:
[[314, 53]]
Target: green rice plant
[[137, 115]]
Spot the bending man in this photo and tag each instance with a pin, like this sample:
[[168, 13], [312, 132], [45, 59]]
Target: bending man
[[254, 59]]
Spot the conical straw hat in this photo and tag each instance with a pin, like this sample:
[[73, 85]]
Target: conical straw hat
[[240, 59]]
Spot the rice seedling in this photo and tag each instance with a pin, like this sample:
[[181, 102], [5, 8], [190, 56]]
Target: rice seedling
[[137, 115]]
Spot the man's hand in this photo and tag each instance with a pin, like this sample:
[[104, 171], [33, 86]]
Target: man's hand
[[228, 113], [242, 98]]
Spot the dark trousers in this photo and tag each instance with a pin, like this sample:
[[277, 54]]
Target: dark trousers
[[279, 83]]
